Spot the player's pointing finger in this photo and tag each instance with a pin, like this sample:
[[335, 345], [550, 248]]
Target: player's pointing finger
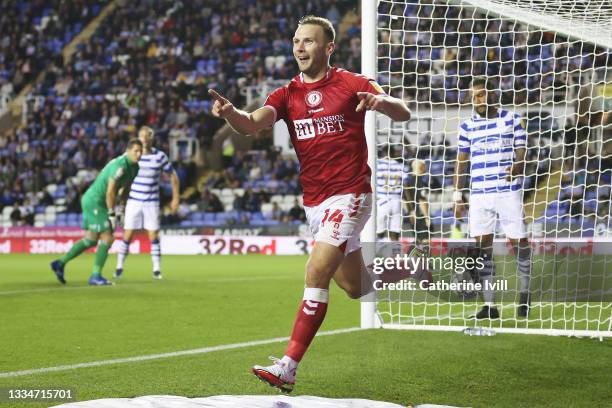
[[361, 105], [215, 95]]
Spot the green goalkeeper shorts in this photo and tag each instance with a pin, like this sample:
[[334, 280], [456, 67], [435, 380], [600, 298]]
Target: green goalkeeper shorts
[[95, 217]]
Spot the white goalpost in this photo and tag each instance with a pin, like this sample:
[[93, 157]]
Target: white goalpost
[[551, 63]]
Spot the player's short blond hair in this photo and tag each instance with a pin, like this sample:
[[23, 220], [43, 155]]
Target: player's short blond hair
[[146, 129], [325, 24]]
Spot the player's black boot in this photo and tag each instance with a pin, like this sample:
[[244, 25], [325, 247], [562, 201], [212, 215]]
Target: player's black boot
[[524, 305], [487, 313]]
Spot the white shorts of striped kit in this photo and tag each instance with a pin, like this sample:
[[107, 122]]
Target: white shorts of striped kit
[[340, 219], [486, 209], [141, 215], [389, 215]]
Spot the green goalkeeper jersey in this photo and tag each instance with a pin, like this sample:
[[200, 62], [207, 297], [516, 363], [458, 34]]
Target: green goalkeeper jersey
[[120, 169]]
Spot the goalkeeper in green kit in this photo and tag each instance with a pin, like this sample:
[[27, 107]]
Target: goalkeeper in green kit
[[98, 204]]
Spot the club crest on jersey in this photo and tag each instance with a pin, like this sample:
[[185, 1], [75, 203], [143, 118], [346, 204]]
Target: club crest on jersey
[[314, 98]]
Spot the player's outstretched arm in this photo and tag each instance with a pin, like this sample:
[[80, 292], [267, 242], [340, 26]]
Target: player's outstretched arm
[[394, 108], [174, 181], [241, 121]]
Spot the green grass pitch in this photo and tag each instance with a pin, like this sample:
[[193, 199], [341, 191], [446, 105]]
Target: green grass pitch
[[216, 300]]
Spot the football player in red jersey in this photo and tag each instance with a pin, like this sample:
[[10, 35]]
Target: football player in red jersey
[[324, 108]]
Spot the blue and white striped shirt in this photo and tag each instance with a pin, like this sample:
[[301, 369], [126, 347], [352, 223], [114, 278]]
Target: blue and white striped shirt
[[145, 187], [491, 143], [390, 177]]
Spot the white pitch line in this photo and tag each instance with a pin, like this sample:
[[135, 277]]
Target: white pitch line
[[60, 288], [203, 350], [123, 285]]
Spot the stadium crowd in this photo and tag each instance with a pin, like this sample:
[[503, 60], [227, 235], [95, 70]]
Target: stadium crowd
[[34, 32], [153, 63], [433, 51]]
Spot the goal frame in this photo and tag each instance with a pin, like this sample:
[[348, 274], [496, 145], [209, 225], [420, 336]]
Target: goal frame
[[369, 316]]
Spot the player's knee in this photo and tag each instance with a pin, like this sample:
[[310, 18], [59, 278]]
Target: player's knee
[[107, 239], [352, 291]]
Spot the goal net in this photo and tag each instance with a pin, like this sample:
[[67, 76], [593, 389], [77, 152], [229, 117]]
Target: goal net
[[549, 62]]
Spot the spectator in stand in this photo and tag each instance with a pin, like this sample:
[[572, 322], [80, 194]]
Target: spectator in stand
[[250, 201], [15, 216], [277, 213], [296, 213], [209, 202]]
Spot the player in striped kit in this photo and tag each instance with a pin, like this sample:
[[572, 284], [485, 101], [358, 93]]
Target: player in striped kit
[[493, 141], [390, 177], [142, 208]]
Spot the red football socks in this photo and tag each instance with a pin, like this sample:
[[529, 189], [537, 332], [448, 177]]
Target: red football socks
[[307, 322]]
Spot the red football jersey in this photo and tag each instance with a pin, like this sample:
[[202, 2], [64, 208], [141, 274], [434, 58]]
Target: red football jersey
[[326, 132]]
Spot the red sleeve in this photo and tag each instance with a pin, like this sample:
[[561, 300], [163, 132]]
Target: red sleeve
[[278, 100], [369, 85], [362, 83]]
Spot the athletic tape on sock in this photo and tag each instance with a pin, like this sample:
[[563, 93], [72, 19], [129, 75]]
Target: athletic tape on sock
[[316, 295]]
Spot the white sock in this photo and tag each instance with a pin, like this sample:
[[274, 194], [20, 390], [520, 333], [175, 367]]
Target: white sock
[[124, 250], [156, 255], [290, 363]]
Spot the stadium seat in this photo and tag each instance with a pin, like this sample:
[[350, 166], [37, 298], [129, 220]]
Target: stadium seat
[[223, 217], [210, 217], [51, 188], [49, 218], [266, 208], [6, 211]]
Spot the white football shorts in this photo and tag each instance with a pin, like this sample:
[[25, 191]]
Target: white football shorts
[[141, 215], [340, 219], [486, 209], [389, 215]]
